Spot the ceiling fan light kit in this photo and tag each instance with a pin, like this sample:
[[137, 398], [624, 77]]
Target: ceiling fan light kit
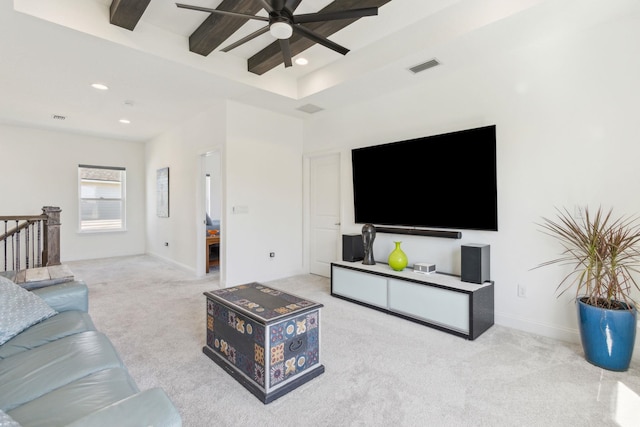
[[281, 30], [282, 24]]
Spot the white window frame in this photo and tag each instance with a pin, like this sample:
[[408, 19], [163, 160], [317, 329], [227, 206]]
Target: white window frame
[[106, 226]]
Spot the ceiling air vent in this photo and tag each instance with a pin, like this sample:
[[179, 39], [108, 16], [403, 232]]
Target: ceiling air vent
[[58, 117], [424, 66], [310, 108]]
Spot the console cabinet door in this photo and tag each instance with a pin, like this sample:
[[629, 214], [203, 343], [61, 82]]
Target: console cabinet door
[[435, 305], [363, 287]]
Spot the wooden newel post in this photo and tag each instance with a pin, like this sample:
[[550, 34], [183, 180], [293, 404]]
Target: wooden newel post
[[51, 250]]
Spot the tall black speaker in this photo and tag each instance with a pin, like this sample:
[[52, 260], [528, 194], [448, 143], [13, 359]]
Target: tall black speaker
[[475, 263], [352, 247]]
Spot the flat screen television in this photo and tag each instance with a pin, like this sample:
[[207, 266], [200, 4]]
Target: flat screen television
[[441, 181]]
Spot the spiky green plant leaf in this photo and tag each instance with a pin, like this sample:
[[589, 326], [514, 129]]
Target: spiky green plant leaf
[[604, 252]]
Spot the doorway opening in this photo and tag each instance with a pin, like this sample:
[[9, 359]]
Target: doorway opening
[[212, 185]]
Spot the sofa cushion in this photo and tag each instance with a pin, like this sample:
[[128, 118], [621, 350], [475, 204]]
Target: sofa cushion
[[28, 375], [66, 296], [7, 421], [88, 394], [55, 327], [19, 309], [148, 408]]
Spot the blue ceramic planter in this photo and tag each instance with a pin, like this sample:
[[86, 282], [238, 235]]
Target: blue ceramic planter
[[608, 336]]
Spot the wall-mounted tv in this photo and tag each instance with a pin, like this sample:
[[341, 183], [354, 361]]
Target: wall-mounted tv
[[442, 181]]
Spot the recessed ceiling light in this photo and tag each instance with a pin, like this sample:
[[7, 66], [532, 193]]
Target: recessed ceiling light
[[125, 121], [302, 61], [100, 86]]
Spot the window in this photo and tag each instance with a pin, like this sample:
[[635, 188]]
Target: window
[[102, 198]]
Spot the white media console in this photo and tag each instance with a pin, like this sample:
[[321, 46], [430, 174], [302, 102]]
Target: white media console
[[438, 300]]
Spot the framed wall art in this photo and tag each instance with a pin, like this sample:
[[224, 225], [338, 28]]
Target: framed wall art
[[162, 192]]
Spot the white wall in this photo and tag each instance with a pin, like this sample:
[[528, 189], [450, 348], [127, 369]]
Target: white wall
[[181, 150], [567, 134], [263, 175], [40, 168], [261, 165]]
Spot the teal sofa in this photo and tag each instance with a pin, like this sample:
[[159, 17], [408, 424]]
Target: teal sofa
[[61, 371]]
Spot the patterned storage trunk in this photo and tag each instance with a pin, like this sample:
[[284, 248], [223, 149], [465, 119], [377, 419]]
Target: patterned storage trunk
[[266, 339]]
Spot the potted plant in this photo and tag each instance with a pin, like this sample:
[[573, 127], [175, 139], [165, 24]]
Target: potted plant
[[605, 253]]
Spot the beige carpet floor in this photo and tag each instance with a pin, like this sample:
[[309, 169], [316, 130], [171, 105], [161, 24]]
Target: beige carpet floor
[[379, 370]]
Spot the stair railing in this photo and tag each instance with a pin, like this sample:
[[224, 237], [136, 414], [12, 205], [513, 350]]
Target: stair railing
[[30, 241]]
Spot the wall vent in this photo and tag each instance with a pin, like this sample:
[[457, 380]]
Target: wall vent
[[424, 66], [58, 117], [310, 108]]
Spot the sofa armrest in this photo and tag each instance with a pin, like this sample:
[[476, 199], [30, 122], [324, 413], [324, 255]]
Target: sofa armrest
[[66, 296], [148, 408]]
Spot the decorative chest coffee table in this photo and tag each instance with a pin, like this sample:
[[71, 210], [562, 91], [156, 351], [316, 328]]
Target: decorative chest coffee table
[[268, 340]]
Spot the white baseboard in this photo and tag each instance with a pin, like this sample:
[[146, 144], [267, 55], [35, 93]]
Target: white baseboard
[[177, 264], [551, 331]]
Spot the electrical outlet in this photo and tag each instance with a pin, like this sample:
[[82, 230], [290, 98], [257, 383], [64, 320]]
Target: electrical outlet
[[522, 290]]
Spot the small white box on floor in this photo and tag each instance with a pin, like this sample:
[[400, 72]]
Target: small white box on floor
[[424, 268]]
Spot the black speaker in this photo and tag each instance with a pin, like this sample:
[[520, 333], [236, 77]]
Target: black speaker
[[475, 263], [352, 247]]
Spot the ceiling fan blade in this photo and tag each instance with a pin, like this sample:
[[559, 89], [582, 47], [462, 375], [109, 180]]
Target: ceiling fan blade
[[292, 5], [267, 6], [223, 12], [333, 16], [246, 39], [311, 35], [286, 52]]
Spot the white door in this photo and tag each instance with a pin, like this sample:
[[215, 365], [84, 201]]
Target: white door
[[324, 199]]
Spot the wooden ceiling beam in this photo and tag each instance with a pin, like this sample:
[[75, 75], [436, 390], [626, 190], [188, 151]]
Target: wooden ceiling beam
[[218, 28], [127, 13], [271, 56]]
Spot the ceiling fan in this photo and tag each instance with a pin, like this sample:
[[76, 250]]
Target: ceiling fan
[[282, 23]]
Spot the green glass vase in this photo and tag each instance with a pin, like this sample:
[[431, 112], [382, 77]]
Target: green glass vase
[[397, 258]]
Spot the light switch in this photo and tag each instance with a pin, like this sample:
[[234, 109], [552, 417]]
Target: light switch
[[240, 209]]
